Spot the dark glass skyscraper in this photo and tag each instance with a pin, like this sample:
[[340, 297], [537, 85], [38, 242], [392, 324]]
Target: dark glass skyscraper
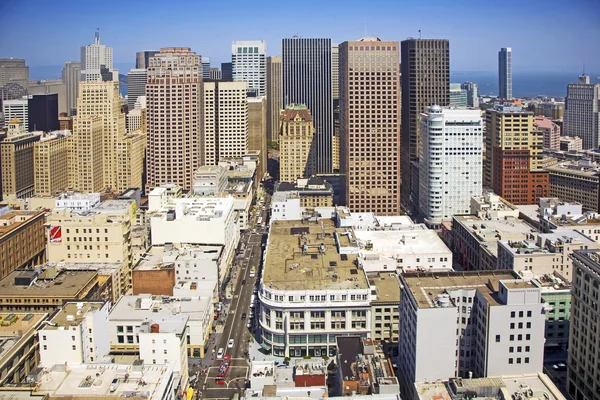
[[226, 72], [43, 112], [505, 73], [307, 79], [142, 58]]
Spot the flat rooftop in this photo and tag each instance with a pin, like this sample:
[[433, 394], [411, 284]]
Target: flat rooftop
[[13, 327], [387, 286], [72, 314], [425, 288], [408, 240], [65, 284], [163, 257], [142, 307], [494, 230], [288, 267], [80, 381], [14, 219]]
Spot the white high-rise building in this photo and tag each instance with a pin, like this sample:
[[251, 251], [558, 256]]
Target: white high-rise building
[[71, 74], [136, 86], [97, 62], [450, 146], [249, 64], [16, 109], [582, 112]]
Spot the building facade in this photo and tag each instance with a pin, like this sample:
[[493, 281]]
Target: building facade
[[16, 109], [505, 73], [307, 79], [550, 131], [257, 130], [582, 112], [297, 143], [458, 95], [249, 64], [425, 69], [274, 101], [575, 182], [22, 240], [85, 164], [43, 112], [142, 58], [17, 161], [175, 142], [136, 86], [97, 62], [472, 94], [51, 163]]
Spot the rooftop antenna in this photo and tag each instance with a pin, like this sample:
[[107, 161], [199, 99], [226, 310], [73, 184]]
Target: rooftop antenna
[[419, 34]]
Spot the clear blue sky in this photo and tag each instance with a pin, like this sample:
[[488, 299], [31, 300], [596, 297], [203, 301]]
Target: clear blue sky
[[550, 35]]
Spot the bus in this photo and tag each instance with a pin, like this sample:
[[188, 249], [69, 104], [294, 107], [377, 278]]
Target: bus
[[252, 271], [223, 369]]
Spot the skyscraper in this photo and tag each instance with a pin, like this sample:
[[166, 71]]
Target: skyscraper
[[458, 95], [370, 128], [582, 112], [306, 76], [249, 64], [472, 93], [85, 158], [257, 129], [51, 163], [43, 112], [14, 70], [505, 73], [136, 86], [142, 58], [273, 96], [335, 72], [456, 138], [296, 143], [17, 161], [97, 62], [205, 68], [226, 72], [16, 109], [71, 75], [175, 130], [425, 67]]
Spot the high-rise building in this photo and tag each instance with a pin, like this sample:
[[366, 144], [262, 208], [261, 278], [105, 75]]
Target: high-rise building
[[51, 163], [370, 133], [131, 150], [71, 75], [458, 96], [306, 79], [425, 68], [274, 102], [175, 131], [472, 93], [22, 241], [102, 99], [583, 368], [249, 64], [142, 58], [43, 112], [16, 109], [335, 72], [14, 78], [582, 112], [215, 74], [513, 165], [257, 130], [136, 118], [296, 143], [205, 68], [85, 160], [226, 72], [505, 73], [136, 86], [97, 62], [51, 86], [17, 161], [454, 137], [550, 132], [225, 121]]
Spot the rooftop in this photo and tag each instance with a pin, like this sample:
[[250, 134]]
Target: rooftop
[[318, 267], [48, 284], [145, 307], [72, 314], [295, 111], [387, 287], [582, 168], [494, 230], [14, 220], [408, 240], [425, 289], [14, 327], [157, 257], [534, 387]]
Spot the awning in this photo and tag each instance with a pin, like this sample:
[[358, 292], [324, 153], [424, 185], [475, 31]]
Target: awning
[[265, 346]]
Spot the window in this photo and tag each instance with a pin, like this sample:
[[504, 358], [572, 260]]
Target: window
[[512, 314], [527, 337], [497, 338], [520, 314], [45, 347], [511, 349], [510, 360], [74, 347], [520, 337], [512, 325], [519, 360], [529, 313], [512, 338], [526, 360], [528, 325]]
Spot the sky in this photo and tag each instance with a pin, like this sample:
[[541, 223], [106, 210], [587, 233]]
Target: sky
[[545, 36]]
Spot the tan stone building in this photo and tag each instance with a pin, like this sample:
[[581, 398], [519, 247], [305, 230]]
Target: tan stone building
[[22, 240], [16, 161], [257, 130], [51, 163], [296, 143], [274, 101], [576, 182], [175, 117], [85, 160], [100, 235], [130, 160], [370, 125]]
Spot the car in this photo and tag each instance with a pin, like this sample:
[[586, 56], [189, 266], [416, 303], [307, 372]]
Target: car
[[559, 367], [230, 344], [244, 282], [249, 325], [244, 316], [220, 353]]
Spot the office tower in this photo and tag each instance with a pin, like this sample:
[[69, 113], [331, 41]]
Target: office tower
[[584, 347], [370, 133], [454, 137], [16, 109], [65, 122], [51, 163], [257, 130], [97, 62], [71, 75], [136, 118], [273, 96], [425, 68], [51, 86], [142, 58], [205, 68], [175, 138], [131, 150], [458, 95], [215, 74], [505, 73], [225, 121], [472, 93], [582, 112], [248, 64], [306, 79], [513, 165], [226, 72], [297, 143], [136, 86], [17, 161], [335, 72], [43, 112], [85, 160], [14, 78]]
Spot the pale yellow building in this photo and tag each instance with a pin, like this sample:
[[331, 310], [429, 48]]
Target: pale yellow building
[[16, 164], [100, 235], [85, 156], [51, 163], [296, 144], [336, 153], [130, 161], [257, 130]]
